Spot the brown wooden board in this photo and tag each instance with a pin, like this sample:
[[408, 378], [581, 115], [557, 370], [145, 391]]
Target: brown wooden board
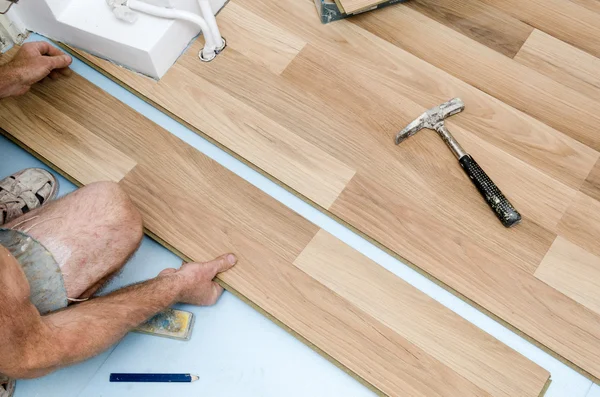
[[397, 341], [323, 126]]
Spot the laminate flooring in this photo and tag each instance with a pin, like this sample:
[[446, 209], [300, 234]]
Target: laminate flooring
[[316, 108], [363, 318]]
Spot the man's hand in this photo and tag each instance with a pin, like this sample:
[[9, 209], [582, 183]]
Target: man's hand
[[31, 64], [197, 287]]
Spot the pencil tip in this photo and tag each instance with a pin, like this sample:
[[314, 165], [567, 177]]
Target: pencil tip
[[195, 378]]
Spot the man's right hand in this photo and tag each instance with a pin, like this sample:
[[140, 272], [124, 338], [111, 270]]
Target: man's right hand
[[32, 63], [197, 285]]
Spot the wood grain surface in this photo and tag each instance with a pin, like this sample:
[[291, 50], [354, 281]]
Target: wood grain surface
[[353, 84], [562, 62], [191, 203]]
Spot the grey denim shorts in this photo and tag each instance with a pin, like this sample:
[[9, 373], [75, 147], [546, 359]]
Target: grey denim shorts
[[43, 273]]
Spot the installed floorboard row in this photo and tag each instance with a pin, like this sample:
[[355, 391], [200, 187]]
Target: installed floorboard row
[[479, 21], [533, 135], [286, 265], [520, 87], [562, 62], [564, 19]]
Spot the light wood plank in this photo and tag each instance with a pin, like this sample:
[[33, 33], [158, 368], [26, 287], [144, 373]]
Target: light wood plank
[[562, 62], [563, 19], [309, 308], [581, 223], [573, 271], [512, 294], [413, 315], [259, 39], [591, 186], [88, 158], [479, 21], [559, 106], [200, 209], [242, 129], [487, 136], [593, 5], [355, 6]]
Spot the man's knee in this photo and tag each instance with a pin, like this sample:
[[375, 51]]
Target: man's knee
[[116, 211]]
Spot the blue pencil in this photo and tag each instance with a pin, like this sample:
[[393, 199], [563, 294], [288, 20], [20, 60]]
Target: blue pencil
[[153, 378]]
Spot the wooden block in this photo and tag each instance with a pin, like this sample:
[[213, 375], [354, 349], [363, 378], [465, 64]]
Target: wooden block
[[564, 19], [559, 106], [573, 271], [479, 21], [410, 313], [259, 39], [562, 62], [88, 158]]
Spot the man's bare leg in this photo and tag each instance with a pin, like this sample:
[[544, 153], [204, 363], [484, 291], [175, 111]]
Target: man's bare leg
[[91, 233]]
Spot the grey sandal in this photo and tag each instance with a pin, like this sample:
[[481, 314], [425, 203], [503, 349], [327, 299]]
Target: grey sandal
[[7, 386], [24, 191]]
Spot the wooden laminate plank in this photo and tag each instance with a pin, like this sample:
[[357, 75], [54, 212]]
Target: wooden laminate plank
[[564, 19], [306, 306], [91, 157], [555, 104], [310, 102], [383, 95], [592, 5], [198, 207], [591, 186], [581, 223], [515, 295], [479, 21], [354, 6], [573, 271], [407, 311], [562, 62], [241, 128], [275, 48], [413, 200]]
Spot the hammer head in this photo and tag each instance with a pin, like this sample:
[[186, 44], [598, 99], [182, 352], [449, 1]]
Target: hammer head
[[431, 117]]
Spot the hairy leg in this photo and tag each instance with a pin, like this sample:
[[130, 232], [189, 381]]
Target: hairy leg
[[91, 233]]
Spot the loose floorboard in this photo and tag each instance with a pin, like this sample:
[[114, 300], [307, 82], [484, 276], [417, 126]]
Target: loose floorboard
[[353, 84], [304, 278]]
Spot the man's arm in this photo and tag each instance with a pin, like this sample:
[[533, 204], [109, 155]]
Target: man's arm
[[36, 345]]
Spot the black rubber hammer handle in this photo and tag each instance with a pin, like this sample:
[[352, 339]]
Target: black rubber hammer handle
[[504, 210]]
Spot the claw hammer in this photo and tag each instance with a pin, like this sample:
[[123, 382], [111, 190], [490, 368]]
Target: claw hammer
[[434, 119]]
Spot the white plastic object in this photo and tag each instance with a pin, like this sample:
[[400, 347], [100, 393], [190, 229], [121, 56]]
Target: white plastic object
[[124, 13], [210, 19], [210, 46]]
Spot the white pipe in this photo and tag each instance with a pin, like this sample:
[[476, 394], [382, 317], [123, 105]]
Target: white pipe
[[209, 43], [209, 17]]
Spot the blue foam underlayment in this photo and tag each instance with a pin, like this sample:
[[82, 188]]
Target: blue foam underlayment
[[235, 350]]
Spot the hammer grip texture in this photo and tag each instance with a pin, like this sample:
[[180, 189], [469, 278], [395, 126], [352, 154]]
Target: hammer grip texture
[[506, 213]]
